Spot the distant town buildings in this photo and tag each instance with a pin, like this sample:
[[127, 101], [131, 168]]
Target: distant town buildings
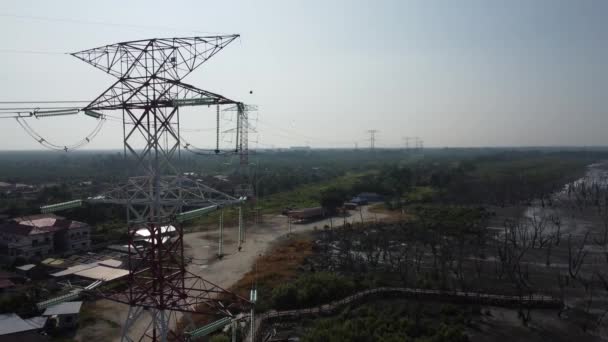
[[17, 190], [38, 236]]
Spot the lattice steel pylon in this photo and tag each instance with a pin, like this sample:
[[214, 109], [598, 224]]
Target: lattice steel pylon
[[148, 92], [242, 130]]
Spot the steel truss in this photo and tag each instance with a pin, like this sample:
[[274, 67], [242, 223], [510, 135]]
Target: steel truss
[[148, 92]]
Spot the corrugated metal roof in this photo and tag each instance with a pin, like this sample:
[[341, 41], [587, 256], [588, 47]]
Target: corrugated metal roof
[[11, 323], [36, 322], [74, 269], [103, 273], [111, 263], [66, 308], [26, 267]]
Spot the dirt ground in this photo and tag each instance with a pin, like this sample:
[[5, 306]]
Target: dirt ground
[[202, 247]]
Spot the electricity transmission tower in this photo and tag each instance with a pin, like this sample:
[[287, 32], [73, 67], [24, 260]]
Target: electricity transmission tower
[[148, 93], [406, 141], [243, 128], [372, 139], [418, 143]]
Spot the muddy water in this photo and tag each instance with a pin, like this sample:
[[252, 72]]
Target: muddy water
[[572, 222]]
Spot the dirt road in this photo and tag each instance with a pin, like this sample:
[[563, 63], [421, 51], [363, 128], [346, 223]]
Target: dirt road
[[202, 248]]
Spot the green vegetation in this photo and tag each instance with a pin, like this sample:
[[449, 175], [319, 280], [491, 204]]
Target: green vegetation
[[309, 195], [311, 290], [219, 338]]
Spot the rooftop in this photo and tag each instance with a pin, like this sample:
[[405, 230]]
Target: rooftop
[[39, 224], [11, 324], [102, 273], [65, 308], [26, 267]]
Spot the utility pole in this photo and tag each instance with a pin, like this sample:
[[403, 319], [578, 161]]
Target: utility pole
[[372, 139]]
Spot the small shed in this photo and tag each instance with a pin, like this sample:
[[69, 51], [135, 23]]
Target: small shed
[[64, 315]]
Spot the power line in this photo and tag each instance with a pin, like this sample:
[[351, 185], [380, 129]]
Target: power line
[[28, 102], [34, 52], [102, 23]]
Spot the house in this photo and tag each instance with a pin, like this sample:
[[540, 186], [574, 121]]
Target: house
[[63, 315], [37, 236], [17, 190], [13, 328]]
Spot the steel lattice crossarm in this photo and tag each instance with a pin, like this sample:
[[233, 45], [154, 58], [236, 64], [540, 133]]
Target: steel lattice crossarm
[[175, 191], [240, 107], [142, 93], [60, 206], [175, 57], [194, 295]]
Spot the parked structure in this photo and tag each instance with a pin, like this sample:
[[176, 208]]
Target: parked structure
[[40, 235]]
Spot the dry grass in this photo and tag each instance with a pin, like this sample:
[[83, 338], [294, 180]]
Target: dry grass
[[280, 264], [391, 216], [277, 266]]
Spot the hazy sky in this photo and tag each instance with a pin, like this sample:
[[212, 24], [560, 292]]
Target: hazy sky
[[456, 73]]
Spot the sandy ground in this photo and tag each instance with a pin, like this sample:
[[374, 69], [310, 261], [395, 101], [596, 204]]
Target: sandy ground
[[202, 247]]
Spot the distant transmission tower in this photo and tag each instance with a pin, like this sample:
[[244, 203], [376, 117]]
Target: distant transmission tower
[[242, 130], [372, 139], [418, 143], [406, 142], [148, 93]]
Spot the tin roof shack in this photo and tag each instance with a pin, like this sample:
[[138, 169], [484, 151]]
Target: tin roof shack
[[306, 214], [64, 315], [15, 329]]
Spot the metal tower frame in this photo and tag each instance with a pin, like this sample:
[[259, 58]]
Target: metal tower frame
[[148, 93]]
